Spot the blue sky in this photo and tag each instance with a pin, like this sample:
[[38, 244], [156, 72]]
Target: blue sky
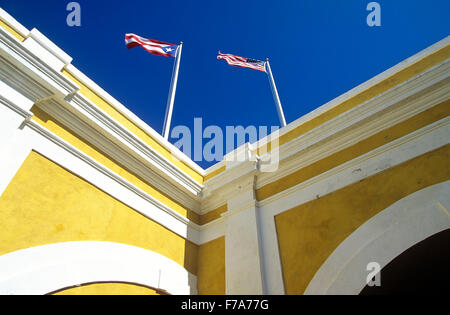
[[318, 50]]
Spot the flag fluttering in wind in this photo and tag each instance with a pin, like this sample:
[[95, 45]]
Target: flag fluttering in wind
[[239, 61], [160, 48], [264, 66], [154, 47]]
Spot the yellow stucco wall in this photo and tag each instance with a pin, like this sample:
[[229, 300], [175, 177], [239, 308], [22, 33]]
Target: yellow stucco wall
[[141, 134], [211, 267], [110, 288], [309, 233], [45, 204], [214, 173], [59, 129], [213, 214], [12, 31], [420, 120]]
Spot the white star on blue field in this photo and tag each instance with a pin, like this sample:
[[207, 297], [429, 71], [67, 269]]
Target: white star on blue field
[[169, 49]]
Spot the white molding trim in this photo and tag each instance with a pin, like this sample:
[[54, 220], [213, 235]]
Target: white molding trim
[[133, 118], [12, 22], [381, 239], [69, 264], [364, 86], [49, 46], [83, 107], [32, 68]]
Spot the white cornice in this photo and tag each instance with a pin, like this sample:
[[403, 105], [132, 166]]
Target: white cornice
[[377, 104], [362, 87], [94, 116], [133, 118], [400, 103], [49, 46], [25, 64], [12, 22]]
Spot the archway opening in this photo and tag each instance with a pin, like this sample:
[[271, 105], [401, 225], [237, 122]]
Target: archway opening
[[422, 269]]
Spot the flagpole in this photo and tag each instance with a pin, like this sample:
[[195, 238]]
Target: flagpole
[[172, 90], [276, 98]]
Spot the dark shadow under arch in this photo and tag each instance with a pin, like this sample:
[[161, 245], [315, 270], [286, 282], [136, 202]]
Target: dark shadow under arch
[[422, 269]]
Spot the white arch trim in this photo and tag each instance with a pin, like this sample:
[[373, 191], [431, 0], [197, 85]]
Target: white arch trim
[[48, 268], [382, 238]]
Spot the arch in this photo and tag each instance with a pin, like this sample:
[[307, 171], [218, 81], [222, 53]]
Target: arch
[[49, 268], [421, 269], [75, 290], [382, 238]]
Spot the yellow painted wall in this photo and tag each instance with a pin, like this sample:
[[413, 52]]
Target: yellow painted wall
[[421, 120], [110, 288], [141, 134], [45, 204], [59, 129], [12, 31], [309, 233], [211, 267], [213, 214], [214, 173]]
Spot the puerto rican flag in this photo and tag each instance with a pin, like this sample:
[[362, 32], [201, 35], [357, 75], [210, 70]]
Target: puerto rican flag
[[154, 47]]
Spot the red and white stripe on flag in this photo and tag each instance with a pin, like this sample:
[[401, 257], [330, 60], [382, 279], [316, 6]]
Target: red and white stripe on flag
[[154, 47], [239, 61]]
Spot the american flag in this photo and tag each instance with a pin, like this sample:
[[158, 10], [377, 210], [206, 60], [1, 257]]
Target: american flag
[[238, 61], [154, 47]]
